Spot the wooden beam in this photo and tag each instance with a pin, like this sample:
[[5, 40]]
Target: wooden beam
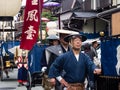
[[8, 30]]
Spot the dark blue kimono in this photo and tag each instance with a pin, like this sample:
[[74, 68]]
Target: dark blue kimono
[[75, 71]]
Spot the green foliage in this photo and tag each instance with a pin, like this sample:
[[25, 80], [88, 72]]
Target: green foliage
[[47, 14]]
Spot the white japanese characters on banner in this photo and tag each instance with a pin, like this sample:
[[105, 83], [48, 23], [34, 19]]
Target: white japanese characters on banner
[[32, 16], [30, 33]]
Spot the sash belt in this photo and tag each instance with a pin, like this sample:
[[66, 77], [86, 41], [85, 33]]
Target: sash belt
[[76, 86]]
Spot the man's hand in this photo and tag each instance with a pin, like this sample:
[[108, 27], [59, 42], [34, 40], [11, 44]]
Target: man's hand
[[52, 81], [97, 71], [64, 83]]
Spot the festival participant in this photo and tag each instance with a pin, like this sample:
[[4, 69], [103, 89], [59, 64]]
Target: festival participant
[[54, 51], [22, 64], [75, 65]]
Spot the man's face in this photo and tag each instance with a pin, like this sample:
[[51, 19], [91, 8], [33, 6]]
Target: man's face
[[76, 43], [62, 36], [96, 44], [55, 42]]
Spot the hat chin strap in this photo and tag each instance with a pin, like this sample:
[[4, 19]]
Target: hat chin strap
[[76, 49]]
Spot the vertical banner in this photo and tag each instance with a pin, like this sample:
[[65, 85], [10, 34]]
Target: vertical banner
[[31, 24], [110, 57]]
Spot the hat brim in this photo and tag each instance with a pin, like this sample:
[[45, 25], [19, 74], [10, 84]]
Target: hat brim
[[53, 37], [62, 31], [68, 37]]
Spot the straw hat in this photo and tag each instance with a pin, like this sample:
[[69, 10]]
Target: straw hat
[[61, 31], [69, 37]]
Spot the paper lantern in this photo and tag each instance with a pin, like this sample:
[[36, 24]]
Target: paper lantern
[[10, 7]]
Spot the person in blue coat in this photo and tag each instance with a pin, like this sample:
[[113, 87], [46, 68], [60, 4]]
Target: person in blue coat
[[52, 52], [75, 65]]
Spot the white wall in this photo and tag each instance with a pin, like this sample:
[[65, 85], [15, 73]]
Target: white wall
[[89, 26]]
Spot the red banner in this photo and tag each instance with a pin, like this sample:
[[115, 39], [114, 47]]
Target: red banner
[[31, 24]]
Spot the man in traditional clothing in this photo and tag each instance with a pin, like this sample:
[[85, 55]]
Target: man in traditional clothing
[[75, 65], [94, 57], [21, 60], [54, 51], [53, 39]]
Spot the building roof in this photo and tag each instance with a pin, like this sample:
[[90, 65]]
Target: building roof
[[69, 5], [108, 12], [79, 15], [83, 15]]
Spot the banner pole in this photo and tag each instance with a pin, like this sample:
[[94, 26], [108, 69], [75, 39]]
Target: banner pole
[[40, 9]]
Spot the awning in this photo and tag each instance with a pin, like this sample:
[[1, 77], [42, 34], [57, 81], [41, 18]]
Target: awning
[[79, 15], [82, 15], [108, 12], [66, 16]]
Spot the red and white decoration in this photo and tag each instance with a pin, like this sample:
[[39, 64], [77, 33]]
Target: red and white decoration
[[31, 25]]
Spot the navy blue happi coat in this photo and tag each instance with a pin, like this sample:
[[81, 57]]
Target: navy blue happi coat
[[75, 71]]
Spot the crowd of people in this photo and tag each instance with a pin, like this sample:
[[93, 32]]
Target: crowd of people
[[67, 67]]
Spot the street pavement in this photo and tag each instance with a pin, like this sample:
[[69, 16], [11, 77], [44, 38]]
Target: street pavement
[[33, 88], [12, 84]]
